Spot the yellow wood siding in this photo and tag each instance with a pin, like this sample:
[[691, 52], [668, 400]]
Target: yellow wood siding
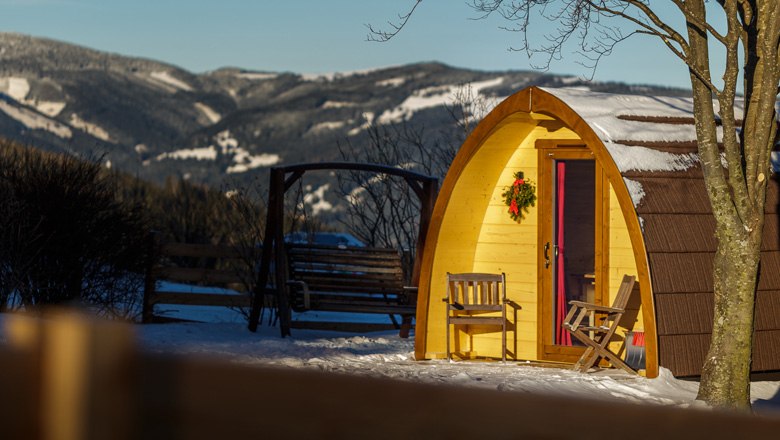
[[471, 230], [621, 262], [477, 235]]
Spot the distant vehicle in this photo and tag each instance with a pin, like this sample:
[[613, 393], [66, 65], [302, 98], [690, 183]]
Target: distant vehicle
[[340, 239]]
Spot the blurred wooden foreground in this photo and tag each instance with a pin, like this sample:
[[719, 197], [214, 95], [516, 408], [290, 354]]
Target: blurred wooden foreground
[[68, 377]]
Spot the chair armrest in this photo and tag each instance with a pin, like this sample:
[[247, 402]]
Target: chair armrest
[[305, 288], [455, 305], [596, 307]]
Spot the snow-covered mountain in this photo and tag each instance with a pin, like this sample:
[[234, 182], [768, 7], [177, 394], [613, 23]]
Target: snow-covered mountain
[[154, 119]]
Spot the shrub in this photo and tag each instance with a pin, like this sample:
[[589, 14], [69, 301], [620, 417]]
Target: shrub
[[66, 237]]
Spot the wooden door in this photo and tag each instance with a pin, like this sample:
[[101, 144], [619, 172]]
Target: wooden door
[[572, 265]]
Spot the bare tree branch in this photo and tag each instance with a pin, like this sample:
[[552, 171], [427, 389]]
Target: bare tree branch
[[736, 176], [380, 35]]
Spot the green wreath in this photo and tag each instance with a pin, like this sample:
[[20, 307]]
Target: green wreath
[[519, 196]]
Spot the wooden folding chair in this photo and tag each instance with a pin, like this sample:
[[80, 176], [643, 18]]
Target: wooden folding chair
[[581, 322], [472, 294]]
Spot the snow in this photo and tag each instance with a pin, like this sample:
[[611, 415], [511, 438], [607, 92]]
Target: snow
[[384, 354], [637, 158], [635, 190], [166, 78], [431, 97], [243, 161], [15, 87], [568, 80], [18, 89], [391, 82], [337, 104], [330, 76], [368, 119], [89, 128], [223, 335], [208, 112], [257, 76], [35, 121], [226, 141], [324, 126], [49, 108], [205, 153], [601, 111], [316, 199]]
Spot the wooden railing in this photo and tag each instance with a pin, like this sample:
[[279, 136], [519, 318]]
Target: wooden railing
[[236, 274], [70, 378]]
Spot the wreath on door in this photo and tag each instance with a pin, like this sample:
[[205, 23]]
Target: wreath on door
[[519, 196]]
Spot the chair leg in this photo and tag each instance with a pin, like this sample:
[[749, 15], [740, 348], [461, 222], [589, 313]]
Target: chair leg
[[503, 339], [449, 358], [583, 360], [597, 349], [617, 362]]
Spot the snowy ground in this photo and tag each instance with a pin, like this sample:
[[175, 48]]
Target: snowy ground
[[384, 354]]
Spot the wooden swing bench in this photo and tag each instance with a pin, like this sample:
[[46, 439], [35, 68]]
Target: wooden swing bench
[[317, 277], [348, 279]]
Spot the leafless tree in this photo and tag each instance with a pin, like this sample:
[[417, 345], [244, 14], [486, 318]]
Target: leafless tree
[[750, 38], [382, 210]]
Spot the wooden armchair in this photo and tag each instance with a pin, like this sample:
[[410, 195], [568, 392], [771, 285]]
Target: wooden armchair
[[472, 294], [581, 322]]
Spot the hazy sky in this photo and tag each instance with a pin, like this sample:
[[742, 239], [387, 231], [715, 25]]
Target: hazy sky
[[309, 36]]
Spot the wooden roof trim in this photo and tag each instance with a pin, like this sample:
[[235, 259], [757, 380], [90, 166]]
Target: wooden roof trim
[[671, 120], [688, 145], [519, 102], [544, 102]]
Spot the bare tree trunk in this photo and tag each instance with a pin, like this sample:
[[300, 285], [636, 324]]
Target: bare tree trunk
[[737, 195], [725, 377]]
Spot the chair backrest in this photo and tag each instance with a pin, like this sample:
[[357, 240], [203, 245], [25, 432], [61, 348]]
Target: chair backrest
[[476, 288], [624, 292]]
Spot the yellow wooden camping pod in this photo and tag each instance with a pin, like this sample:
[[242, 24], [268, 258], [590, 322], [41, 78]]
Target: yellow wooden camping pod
[[620, 191], [538, 133]]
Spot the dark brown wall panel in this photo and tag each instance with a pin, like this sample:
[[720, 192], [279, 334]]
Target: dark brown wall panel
[[692, 313], [681, 272], [773, 195], [679, 232], [771, 239], [766, 351], [767, 310], [769, 278], [680, 314], [683, 354], [673, 196]]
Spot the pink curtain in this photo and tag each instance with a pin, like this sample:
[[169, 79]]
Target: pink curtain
[[562, 337]]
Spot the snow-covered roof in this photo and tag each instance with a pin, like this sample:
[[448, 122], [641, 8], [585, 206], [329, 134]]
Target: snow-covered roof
[[634, 117]]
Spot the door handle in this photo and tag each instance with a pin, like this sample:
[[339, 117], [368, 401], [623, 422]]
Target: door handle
[[547, 255]]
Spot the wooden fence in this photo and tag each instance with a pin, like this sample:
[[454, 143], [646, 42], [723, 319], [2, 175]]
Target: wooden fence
[[236, 273], [68, 378]]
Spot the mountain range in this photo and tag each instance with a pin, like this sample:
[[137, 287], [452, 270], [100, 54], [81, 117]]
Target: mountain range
[[154, 119]]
